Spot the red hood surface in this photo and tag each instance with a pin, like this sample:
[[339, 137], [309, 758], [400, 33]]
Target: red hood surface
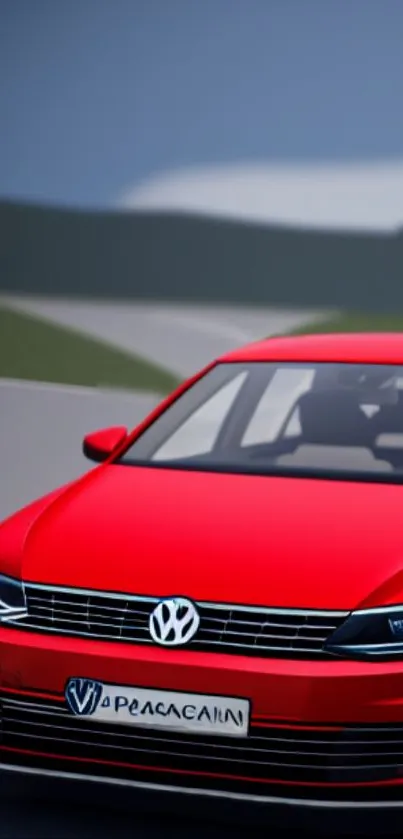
[[280, 542]]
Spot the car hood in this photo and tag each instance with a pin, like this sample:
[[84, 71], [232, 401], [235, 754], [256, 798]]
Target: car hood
[[275, 541]]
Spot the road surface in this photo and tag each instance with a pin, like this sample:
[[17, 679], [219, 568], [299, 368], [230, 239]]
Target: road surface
[[41, 432]]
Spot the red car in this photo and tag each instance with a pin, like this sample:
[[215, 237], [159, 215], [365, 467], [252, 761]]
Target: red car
[[217, 608]]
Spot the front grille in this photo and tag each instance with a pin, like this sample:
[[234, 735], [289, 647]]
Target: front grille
[[327, 755], [223, 628]]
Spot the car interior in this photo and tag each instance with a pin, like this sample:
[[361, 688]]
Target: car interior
[[337, 432], [335, 429], [345, 417]]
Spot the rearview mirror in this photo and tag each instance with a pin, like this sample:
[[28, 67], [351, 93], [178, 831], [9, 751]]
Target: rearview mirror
[[99, 445]]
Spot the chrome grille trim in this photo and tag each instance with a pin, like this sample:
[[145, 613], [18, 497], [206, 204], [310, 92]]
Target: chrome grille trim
[[57, 630], [141, 598], [230, 628]]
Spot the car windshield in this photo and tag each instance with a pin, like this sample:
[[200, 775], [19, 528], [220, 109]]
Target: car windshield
[[283, 418]]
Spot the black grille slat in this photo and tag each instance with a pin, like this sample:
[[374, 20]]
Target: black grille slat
[[364, 734], [254, 631], [254, 766], [21, 727], [353, 754], [16, 710]]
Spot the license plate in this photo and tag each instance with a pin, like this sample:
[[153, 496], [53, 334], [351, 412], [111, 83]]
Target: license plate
[[187, 712]]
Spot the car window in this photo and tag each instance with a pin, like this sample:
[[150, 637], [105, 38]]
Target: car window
[[276, 404], [282, 418], [199, 432]]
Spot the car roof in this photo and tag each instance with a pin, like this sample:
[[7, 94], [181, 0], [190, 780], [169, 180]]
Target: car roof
[[359, 348]]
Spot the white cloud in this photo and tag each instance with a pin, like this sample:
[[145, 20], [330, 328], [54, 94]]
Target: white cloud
[[360, 196]]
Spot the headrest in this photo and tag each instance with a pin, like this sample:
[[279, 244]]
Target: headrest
[[333, 418], [389, 418]]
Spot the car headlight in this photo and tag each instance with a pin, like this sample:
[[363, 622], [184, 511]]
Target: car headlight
[[12, 600], [370, 633]]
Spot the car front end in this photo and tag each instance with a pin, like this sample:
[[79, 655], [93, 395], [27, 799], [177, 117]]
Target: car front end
[[216, 612], [257, 710]]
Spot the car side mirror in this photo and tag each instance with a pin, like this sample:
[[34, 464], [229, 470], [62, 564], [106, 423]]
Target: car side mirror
[[99, 445]]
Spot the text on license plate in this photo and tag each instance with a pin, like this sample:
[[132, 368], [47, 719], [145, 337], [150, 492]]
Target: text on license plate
[[192, 712]]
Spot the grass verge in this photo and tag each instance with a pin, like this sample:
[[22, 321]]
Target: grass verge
[[31, 348], [354, 322]]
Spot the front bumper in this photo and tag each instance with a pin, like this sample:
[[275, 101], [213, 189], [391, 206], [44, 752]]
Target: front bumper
[[325, 735], [327, 817]]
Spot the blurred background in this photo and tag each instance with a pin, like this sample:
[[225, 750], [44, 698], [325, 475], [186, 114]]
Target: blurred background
[[177, 178]]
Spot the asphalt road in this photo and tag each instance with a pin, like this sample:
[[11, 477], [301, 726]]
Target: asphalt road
[[41, 432]]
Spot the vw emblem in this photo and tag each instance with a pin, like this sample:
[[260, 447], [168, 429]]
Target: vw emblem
[[174, 622], [83, 696]]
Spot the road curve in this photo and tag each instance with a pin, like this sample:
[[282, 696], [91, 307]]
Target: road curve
[[181, 338]]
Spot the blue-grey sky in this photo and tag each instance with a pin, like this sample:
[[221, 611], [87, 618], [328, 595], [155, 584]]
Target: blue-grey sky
[[98, 95]]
